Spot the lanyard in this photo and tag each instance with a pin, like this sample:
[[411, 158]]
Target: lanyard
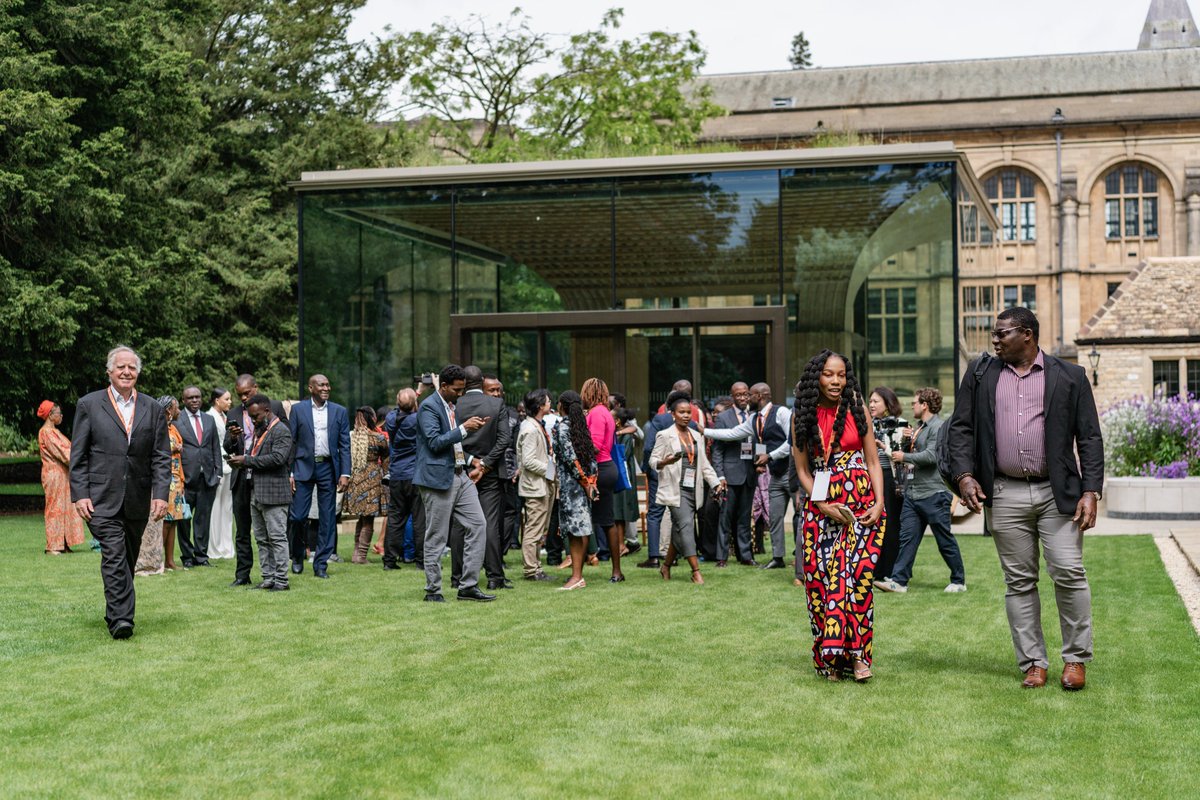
[[912, 443], [690, 452], [258, 442], [826, 444], [127, 425]]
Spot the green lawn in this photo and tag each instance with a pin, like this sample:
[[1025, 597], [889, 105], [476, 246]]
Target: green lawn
[[353, 688], [22, 488]]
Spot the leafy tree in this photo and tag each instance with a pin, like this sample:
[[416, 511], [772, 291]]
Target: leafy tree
[[801, 56]]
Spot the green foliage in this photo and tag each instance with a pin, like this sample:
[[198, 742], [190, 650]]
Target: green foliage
[[1153, 438], [800, 56], [12, 440]]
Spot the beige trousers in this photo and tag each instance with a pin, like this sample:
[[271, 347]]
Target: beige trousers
[[534, 529]]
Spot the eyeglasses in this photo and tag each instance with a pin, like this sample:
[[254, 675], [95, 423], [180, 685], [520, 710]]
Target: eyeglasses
[[1000, 333]]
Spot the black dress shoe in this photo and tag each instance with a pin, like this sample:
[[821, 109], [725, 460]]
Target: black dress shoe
[[122, 630], [722, 563], [747, 562], [297, 567], [649, 563], [320, 573], [632, 547], [473, 593], [541, 576], [391, 567], [434, 597], [203, 563], [263, 585], [240, 582], [453, 584], [277, 587], [503, 583], [617, 579], [188, 563], [774, 563]]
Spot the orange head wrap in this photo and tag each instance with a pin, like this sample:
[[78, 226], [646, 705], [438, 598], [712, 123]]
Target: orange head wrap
[[44, 409]]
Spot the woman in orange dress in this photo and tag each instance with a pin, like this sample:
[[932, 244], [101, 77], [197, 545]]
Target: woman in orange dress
[[63, 526]]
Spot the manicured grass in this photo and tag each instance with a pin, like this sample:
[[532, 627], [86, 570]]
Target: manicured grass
[[353, 688], [33, 489]]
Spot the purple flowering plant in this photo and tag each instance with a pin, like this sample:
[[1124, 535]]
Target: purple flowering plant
[[1153, 438]]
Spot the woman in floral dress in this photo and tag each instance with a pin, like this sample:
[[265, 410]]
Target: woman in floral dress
[[575, 457], [838, 467], [63, 525], [364, 497], [158, 539]]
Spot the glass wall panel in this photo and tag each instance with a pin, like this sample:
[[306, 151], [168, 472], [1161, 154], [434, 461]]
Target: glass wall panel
[[376, 282], [549, 241], [869, 270]]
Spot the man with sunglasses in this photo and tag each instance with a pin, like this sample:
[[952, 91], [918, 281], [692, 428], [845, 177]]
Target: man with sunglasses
[[1018, 423]]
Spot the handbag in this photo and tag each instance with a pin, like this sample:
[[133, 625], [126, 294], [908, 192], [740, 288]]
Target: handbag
[[618, 457]]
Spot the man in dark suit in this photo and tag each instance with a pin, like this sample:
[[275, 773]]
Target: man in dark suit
[[448, 493], [484, 449], [404, 501], [734, 461], [321, 461], [201, 458], [268, 461], [120, 477], [1018, 422], [239, 438]]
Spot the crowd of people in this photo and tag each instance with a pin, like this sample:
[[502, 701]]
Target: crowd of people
[[451, 467]]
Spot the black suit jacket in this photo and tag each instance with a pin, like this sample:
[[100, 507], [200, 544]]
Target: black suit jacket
[[120, 475], [489, 442], [1071, 423], [727, 456], [236, 446], [201, 460]]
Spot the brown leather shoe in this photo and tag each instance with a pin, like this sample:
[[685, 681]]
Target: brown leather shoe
[[1035, 678], [1073, 676]]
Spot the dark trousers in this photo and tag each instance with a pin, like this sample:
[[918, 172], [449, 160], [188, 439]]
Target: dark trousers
[[302, 538], [513, 504], [243, 535], [325, 483], [933, 511], [708, 527], [194, 549], [491, 500], [404, 501], [735, 522], [893, 504], [554, 540], [120, 540], [654, 515]]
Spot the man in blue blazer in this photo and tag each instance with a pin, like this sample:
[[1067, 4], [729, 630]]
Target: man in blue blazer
[[321, 461], [448, 492]]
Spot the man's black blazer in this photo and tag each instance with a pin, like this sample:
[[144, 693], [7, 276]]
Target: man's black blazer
[[1071, 423], [200, 457], [489, 442]]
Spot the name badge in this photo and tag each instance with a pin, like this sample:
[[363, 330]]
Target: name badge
[[760, 449], [820, 492], [747, 451], [460, 458], [689, 478]]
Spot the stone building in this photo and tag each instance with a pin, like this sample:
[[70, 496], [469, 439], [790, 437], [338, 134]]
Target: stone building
[[1090, 161], [1145, 339]]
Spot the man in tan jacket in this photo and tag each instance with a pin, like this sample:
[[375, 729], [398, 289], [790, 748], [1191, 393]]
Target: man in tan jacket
[[535, 459]]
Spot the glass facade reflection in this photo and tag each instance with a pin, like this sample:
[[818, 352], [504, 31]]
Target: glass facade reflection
[[553, 279]]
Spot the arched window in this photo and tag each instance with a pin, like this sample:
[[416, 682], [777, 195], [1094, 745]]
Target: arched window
[[1012, 194], [1131, 203]]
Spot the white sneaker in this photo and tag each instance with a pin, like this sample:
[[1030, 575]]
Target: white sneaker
[[889, 585], [954, 588]]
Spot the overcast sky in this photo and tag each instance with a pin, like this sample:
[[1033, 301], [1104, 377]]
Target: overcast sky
[[756, 35]]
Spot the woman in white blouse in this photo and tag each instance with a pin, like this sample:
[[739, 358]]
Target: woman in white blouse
[[220, 530]]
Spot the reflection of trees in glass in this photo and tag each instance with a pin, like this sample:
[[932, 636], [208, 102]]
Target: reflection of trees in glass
[[523, 289]]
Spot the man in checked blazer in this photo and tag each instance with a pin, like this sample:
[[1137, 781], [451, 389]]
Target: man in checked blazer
[[269, 462]]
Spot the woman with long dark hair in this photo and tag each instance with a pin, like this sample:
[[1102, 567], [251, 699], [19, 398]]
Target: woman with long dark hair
[[838, 466], [575, 460], [884, 408], [364, 496], [603, 429]]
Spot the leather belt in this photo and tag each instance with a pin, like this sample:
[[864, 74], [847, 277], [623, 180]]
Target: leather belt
[[319, 459], [1027, 478], [458, 470]]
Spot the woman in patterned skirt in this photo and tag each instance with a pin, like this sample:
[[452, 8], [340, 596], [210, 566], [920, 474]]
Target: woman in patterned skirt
[[575, 457], [364, 497], [159, 536], [63, 526], [838, 466]]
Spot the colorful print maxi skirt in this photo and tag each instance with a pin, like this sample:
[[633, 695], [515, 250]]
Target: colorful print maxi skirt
[[839, 569]]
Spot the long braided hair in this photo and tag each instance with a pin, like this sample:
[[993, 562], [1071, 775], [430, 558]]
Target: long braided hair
[[805, 433], [581, 437]]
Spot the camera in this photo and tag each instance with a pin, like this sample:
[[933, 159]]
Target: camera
[[425, 378]]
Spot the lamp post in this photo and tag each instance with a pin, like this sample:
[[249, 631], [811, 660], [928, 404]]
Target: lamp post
[[1094, 358], [1057, 121]]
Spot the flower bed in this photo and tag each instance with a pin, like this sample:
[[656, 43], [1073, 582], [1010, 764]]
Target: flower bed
[[1152, 452]]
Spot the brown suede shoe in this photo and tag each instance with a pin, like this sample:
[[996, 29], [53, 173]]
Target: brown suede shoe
[[1035, 678], [1073, 676]]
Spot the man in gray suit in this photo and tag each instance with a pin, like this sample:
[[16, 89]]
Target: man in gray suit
[[120, 476], [734, 461], [201, 458], [447, 492], [484, 449], [268, 463]]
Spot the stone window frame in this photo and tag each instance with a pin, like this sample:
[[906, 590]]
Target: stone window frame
[[1012, 192], [977, 315], [1132, 185]]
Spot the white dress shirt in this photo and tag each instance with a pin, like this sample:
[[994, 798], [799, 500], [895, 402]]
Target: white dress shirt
[[745, 430], [321, 430]]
